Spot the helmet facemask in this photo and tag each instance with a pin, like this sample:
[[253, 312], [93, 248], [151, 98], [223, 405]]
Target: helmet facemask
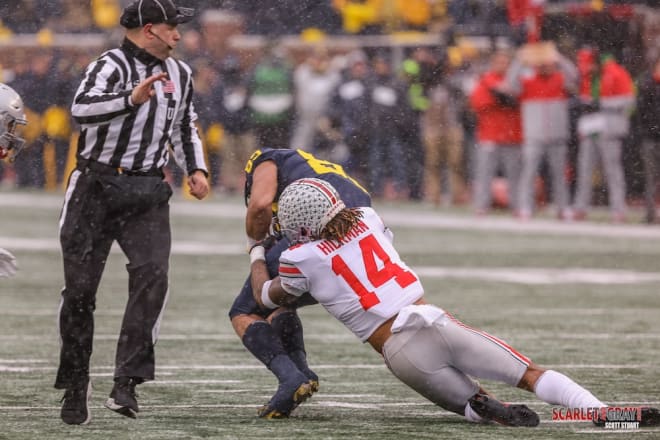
[[11, 129]]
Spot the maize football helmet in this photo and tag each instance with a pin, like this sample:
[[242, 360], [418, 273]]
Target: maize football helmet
[[305, 207], [12, 120]]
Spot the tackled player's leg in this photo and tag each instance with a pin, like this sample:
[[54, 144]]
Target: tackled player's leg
[[278, 344]]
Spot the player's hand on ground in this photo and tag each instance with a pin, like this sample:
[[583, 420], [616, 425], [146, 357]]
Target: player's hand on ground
[[199, 184], [145, 90]]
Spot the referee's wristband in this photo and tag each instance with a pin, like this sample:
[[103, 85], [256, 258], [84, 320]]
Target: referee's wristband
[[257, 253], [265, 297]]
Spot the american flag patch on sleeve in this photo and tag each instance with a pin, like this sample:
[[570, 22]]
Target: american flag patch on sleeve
[[168, 86]]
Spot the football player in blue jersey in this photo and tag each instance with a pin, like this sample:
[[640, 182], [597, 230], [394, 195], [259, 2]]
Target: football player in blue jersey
[[276, 337]]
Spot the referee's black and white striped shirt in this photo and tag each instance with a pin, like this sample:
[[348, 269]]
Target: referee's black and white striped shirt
[[116, 133]]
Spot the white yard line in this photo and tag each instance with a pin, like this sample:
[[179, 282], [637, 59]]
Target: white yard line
[[168, 368], [341, 339], [518, 275], [531, 275], [407, 216]]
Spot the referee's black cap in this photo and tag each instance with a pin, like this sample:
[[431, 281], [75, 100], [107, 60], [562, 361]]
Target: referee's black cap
[[141, 12]]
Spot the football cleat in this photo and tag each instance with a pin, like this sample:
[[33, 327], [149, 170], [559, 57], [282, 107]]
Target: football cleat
[[649, 417], [313, 379], [504, 414], [314, 385], [287, 398]]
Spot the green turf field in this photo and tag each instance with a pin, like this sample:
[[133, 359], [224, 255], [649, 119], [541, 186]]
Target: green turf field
[[581, 298]]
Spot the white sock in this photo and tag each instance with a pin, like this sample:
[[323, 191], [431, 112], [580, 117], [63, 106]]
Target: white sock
[[557, 389], [472, 416]]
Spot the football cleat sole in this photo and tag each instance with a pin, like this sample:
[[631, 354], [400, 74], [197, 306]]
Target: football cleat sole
[[507, 415]]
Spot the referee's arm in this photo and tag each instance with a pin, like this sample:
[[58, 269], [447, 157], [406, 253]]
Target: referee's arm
[[96, 100]]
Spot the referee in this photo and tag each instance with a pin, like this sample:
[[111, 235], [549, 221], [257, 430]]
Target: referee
[[133, 104]]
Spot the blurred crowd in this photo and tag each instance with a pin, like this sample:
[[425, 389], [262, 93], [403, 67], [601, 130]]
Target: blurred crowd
[[530, 123]]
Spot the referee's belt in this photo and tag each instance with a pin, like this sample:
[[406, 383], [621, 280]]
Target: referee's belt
[[109, 170]]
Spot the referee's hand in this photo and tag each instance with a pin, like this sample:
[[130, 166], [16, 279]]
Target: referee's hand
[[199, 185], [145, 90]]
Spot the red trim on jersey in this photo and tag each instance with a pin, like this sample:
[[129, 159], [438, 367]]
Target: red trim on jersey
[[517, 355], [289, 270]]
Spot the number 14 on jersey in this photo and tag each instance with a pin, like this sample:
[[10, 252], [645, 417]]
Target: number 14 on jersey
[[372, 250]]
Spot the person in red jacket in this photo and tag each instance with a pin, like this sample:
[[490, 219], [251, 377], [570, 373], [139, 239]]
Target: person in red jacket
[[498, 134], [607, 98], [543, 79]]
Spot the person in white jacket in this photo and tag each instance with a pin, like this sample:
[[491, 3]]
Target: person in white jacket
[[314, 80]]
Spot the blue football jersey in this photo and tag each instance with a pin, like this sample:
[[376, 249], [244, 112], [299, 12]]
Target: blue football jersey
[[297, 164]]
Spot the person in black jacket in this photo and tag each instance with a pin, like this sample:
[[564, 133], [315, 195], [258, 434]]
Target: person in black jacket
[[350, 110], [648, 110], [238, 141], [388, 102]]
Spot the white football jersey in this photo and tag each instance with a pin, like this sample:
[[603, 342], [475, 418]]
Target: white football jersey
[[361, 281]]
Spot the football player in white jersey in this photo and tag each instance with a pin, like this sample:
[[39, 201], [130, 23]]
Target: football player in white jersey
[[345, 259]]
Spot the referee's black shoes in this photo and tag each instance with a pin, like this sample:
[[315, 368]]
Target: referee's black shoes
[[123, 399], [75, 404]]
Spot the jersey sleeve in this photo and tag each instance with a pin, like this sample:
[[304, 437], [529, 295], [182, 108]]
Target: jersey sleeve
[[187, 143], [293, 281], [98, 98]]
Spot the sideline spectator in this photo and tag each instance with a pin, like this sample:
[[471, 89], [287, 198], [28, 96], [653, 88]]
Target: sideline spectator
[[238, 141], [542, 79], [388, 102], [270, 99], [443, 136], [420, 71], [499, 135], [648, 110], [206, 103], [315, 79], [606, 100], [349, 110]]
